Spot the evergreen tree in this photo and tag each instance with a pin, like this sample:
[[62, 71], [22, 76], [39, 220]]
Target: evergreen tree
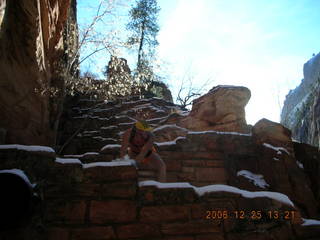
[[144, 28]]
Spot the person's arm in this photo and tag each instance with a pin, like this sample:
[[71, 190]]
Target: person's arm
[[125, 143], [146, 148]]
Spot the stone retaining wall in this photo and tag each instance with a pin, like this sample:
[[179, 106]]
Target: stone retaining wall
[[104, 201]]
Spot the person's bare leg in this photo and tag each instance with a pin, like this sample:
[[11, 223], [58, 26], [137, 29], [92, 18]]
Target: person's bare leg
[[158, 164]]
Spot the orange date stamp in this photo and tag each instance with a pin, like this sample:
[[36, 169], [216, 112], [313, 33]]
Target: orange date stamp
[[250, 215]]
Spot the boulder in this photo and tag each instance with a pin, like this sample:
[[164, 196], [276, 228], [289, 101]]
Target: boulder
[[266, 131], [221, 109]]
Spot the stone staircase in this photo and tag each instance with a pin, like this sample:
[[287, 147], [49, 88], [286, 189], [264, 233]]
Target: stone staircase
[[213, 188], [92, 125]]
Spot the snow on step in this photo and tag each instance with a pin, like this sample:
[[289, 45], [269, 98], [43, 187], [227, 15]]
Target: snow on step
[[221, 188], [114, 163], [256, 179], [169, 142], [68, 161], [277, 149], [310, 222], [109, 128], [19, 173], [222, 133], [169, 126], [110, 146], [28, 148], [107, 164], [300, 165], [82, 155]]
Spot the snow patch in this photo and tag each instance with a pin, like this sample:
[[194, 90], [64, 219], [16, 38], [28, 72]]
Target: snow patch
[[222, 133], [107, 164], [81, 155], [169, 126], [21, 174], [310, 222], [220, 188], [109, 128], [276, 159], [278, 149], [29, 148], [300, 165], [169, 142], [256, 179], [110, 146], [68, 161]]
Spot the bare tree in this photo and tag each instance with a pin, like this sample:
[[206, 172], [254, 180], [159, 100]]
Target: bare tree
[[188, 92]]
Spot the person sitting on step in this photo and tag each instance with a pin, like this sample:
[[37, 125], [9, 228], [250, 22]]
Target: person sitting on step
[[139, 140]]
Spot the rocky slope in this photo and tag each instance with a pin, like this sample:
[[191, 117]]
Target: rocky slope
[[33, 38], [226, 180], [301, 111]]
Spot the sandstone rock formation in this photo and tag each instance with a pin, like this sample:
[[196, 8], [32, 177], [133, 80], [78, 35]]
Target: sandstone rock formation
[[300, 111], [221, 109], [32, 68]]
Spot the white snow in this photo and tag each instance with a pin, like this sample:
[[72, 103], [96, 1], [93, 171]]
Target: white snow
[[276, 159], [126, 161], [81, 155], [89, 132], [68, 161], [169, 126], [21, 174], [111, 146], [184, 113], [169, 142], [278, 149], [300, 165], [220, 188], [126, 158], [310, 222], [29, 148], [100, 138], [156, 119], [217, 132], [109, 128], [256, 179], [107, 164]]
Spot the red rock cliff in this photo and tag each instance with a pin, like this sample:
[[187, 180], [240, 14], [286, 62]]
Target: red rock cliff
[[31, 76]]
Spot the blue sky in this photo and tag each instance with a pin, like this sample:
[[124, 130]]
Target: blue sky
[[258, 44]]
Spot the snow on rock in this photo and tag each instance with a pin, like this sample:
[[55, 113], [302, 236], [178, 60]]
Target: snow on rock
[[278, 149], [217, 132], [221, 188], [110, 146], [126, 158], [19, 173], [169, 142], [300, 165], [310, 222], [28, 148], [115, 163], [169, 126], [107, 164], [156, 119], [109, 127], [68, 161], [256, 179], [81, 155]]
